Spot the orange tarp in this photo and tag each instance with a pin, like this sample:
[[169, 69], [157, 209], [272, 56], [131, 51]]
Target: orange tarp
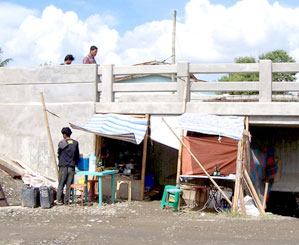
[[209, 151]]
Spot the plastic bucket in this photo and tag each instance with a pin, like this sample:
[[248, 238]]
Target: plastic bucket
[[83, 163]]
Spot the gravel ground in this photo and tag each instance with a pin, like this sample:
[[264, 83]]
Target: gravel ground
[[136, 223]]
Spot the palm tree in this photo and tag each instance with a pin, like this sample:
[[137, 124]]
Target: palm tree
[[4, 62]]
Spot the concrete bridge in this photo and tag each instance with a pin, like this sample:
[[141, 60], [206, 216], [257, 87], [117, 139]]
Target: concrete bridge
[[75, 92]]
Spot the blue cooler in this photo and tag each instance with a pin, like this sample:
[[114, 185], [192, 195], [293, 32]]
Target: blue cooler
[[149, 181], [83, 163]]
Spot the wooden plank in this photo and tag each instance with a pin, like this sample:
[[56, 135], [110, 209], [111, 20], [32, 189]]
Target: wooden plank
[[265, 195], [49, 134], [238, 177], [10, 172]]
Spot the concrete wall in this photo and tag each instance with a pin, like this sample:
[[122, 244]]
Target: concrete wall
[[69, 92]]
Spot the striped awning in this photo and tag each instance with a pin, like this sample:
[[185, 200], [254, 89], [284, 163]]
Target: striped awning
[[120, 127]]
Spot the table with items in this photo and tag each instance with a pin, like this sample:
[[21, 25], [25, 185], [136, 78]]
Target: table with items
[[213, 194], [99, 175]]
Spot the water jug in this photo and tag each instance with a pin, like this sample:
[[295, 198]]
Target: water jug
[[92, 162], [30, 197], [46, 196]]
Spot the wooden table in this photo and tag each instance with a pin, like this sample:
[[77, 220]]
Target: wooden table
[[228, 177], [212, 192], [100, 175]]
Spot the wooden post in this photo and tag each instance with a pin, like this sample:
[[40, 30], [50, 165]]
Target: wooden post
[[265, 195], [49, 134], [242, 204], [179, 165], [144, 154], [203, 169], [253, 191], [238, 177]]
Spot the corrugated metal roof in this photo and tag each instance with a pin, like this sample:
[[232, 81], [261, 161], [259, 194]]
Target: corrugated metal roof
[[154, 62]]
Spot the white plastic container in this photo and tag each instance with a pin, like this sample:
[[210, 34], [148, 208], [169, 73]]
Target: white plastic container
[[92, 163]]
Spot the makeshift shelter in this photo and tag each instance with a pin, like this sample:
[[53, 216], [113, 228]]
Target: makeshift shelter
[[119, 127], [223, 126]]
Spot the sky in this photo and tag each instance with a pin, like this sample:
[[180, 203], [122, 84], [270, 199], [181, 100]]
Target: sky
[[127, 32]]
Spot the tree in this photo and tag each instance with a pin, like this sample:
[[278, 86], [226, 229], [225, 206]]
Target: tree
[[279, 56], [276, 56], [241, 76], [4, 62]]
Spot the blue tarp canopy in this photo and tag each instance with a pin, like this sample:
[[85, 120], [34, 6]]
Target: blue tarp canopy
[[120, 127]]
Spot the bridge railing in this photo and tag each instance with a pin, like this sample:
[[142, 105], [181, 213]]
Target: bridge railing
[[265, 86], [169, 97]]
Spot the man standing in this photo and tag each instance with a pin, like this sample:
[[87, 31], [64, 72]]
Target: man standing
[[68, 156], [90, 58]]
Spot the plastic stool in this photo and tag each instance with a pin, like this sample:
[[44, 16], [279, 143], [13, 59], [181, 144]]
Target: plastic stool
[[91, 191], [128, 182], [174, 191], [81, 188]]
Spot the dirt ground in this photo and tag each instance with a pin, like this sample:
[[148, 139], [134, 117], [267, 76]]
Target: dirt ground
[[136, 223]]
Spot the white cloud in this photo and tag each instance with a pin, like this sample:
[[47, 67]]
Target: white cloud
[[54, 34], [11, 16], [248, 28], [207, 33]]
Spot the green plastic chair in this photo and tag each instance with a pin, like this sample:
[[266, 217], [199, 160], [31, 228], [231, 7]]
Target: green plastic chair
[[171, 190]]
